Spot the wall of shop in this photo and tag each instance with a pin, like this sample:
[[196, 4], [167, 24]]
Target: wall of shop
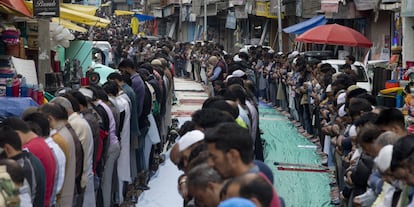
[[81, 50], [408, 40], [379, 32]]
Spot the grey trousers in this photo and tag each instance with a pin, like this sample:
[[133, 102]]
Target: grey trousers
[[112, 156]]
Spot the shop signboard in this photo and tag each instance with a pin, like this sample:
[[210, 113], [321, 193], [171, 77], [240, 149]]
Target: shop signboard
[[261, 9], [363, 5], [157, 12], [240, 12], [231, 21], [168, 11], [330, 6], [46, 8], [236, 2]]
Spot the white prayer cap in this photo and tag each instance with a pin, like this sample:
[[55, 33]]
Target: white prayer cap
[[383, 160], [329, 88], [236, 58], [341, 98], [189, 139]]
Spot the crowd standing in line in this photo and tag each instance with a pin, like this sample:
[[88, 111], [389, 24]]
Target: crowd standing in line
[[367, 145], [99, 145]]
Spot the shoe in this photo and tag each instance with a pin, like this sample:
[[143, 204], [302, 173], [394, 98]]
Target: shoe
[[314, 139], [321, 153], [261, 131], [324, 161], [143, 187], [336, 201]]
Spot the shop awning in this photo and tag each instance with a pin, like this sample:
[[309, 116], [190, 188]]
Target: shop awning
[[122, 12], [70, 25], [82, 18], [306, 25], [78, 17], [90, 10], [17, 6], [143, 17]]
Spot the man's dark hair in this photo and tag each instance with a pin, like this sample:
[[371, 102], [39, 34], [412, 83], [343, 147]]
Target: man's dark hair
[[222, 105], [208, 118], [244, 56], [257, 187], [147, 66], [236, 92], [210, 100], [227, 136], [16, 124], [73, 101], [54, 110], [325, 67], [100, 93], [391, 116], [9, 136], [351, 58], [403, 149], [368, 133], [235, 81], [370, 98], [111, 87], [219, 83], [359, 105], [115, 76], [41, 121], [366, 118], [186, 127], [80, 98], [126, 63], [346, 66]]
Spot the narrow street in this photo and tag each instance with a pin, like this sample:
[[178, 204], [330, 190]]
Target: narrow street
[[283, 144], [163, 186]]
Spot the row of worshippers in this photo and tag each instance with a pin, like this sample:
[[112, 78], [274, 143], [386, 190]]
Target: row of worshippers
[[219, 150], [94, 146]]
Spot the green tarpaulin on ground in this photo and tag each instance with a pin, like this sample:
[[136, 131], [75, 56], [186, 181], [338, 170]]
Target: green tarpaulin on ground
[[307, 189]]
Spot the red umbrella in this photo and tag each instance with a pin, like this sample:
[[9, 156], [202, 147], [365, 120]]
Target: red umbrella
[[334, 34]]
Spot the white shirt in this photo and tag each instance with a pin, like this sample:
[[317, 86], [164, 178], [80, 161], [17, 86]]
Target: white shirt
[[60, 161], [24, 196], [124, 159]]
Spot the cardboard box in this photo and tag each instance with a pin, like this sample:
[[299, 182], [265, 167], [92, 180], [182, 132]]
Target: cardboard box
[[32, 41], [32, 28]]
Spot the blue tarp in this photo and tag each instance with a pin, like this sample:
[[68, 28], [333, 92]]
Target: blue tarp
[[143, 17], [306, 25], [13, 106]]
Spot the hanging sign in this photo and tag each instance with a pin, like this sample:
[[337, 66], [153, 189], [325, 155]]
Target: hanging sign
[[46, 8], [231, 21]]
